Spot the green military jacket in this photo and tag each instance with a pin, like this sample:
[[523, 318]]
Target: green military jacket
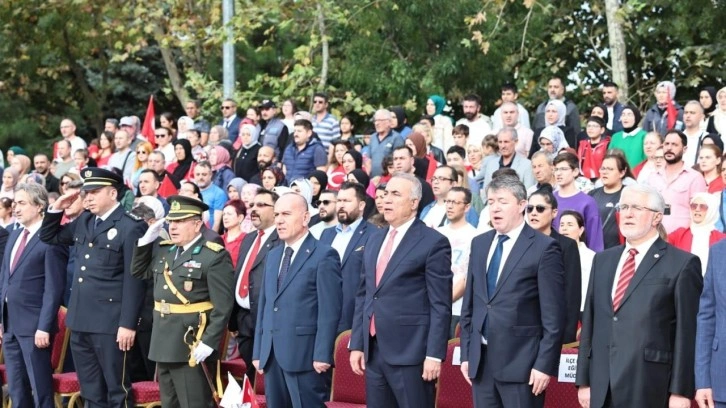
[[202, 273]]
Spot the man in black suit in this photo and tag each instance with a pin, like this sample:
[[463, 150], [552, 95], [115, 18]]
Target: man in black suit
[[637, 346], [513, 313], [32, 279], [248, 277], [349, 239], [106, 300], [230, 120], [403, 306]]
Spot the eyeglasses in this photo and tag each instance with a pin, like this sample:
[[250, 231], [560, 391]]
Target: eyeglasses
[[261, 205], [318, 101], [161, 135], [454, 202], [562, 169], [540, 208], [435, 178], [226, 107], [699, 207], [324, 202], [64, 183], [635, 208]]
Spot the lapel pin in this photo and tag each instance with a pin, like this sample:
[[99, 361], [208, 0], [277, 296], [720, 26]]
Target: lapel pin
[[307, 251], [656, 256]]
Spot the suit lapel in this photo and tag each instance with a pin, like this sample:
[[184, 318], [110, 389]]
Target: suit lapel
[[519, 250], [353, 244], [264, 249], [28, 249], [407, 244], [483, 255], [651, 258], [7, 259], [306, 249]]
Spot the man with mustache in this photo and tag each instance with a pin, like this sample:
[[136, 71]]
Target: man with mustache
[[479, 124], [265, 158]]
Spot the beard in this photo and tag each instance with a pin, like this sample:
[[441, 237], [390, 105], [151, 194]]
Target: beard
[[471, 116], [346, 218], [262, 165], [329, 216], [674, 160]]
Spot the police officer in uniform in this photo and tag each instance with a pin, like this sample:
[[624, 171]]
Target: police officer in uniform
[[105, 299], [193, 298]]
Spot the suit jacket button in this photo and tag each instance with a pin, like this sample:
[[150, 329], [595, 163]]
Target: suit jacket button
[[489, 306], [275, 309], [87, 256], [375, 297], [83, 268], [80, 280], [615, 318]]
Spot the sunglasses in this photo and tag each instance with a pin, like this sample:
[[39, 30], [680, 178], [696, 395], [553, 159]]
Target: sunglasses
[[226, 107], [699, 207], [324, 202], [161, 135], [318, 101], [540, 208], [141, 152]]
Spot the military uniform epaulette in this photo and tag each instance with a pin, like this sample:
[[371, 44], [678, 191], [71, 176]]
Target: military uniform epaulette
[[166, 242], [134, 216], [214, 246]]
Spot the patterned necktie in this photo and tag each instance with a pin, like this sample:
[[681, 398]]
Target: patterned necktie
[[244, 283], [626, 275], [285, 266], [380, 268], [493, 272], [21, 248]]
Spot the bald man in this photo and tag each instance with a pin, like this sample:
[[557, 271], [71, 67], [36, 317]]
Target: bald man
[[298, 311]]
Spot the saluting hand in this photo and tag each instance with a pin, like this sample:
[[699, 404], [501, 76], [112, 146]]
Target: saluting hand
[[125, 338], [65, 201]]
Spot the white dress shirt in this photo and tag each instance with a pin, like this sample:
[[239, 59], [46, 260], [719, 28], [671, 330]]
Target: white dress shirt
[[244, 302]]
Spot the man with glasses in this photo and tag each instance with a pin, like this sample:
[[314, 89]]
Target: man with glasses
[[639, 325], [124, 157], [383, 141], [192, 278], [434, 214], [164, 144], [325, 125], [106, 300], [676, 182], [230, 120], [248, 276], [327, 213], [274, 133], [460, 234]]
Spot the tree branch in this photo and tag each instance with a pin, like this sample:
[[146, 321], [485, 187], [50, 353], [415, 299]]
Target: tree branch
[[172, 70]]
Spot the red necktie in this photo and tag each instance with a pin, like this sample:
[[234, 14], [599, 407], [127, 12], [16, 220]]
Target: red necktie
[[381, 267], [21, 248], [626, 275], [244, 284]]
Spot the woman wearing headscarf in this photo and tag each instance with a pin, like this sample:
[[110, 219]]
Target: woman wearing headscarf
[[21, 163], [12, 151], [221, 172], [400, 124], [717, 121], [707, 99], [183, 168], [702, 233], [359, 176], [443, 125], [245, 161], [424, 167], [247, 195], [555, 115], [552, 141], [319, 181], [630, 139], [305, 189], [10, 180]]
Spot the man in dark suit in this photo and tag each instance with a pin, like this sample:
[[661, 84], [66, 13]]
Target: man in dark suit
[[513, 313], [403, 306], [639, 325], [106, 300], [248, 277], [230, 120], [298, 312], [349, 239], [32, 284]]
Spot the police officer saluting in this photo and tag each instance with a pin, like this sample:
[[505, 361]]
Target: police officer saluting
[[193, 300], [105, 298]]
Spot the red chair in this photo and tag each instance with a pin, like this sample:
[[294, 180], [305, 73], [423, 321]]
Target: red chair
[[146, 394], [453, 391], [348, 389], [237, 367], [559, 394], [65, 385], [260, 390], [457, 331]]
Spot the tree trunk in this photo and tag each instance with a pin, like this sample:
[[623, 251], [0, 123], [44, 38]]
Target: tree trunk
[[177, 85], [325, 45], [618, 55]]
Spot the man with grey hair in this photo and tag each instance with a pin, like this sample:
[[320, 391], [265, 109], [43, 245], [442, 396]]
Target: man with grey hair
[[543, 170], [507, 139], [383, 141], [516, 272], [642, 301], [509, 116], [30, 301], [692, 118], [403, 309], [656, 118]]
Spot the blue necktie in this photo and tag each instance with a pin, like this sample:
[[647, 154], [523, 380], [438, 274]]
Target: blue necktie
[[493, 272], [97, 223], [285, 266]]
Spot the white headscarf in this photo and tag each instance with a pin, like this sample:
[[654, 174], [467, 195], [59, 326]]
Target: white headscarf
[[555, 135], [719, 115], [702, 232], [561, 111], [306, 190]]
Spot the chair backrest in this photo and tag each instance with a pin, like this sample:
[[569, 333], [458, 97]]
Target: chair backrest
[[347, 386], [60, 342], [259, 384], [457, 331], [562, 394], [453, 390]]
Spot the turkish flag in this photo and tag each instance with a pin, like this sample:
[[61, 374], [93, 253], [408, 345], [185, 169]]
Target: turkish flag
[[149, 123], [672, 112]]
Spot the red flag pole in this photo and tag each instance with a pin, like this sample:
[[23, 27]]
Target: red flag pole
[[149, 123]]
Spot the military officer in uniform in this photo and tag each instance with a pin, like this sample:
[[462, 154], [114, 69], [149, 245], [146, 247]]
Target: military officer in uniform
[[193, 298], [105, 299]]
